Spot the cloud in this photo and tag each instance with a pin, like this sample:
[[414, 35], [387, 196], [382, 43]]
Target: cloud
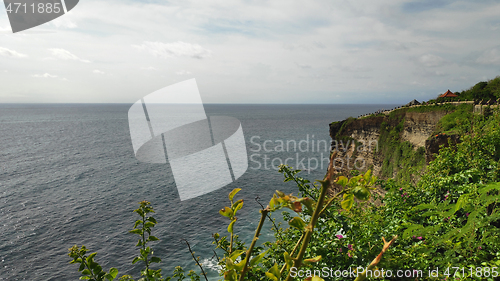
[[303, 66], [183, 72], [65, 55], [491, 56], [97, 71], [45, 75], [11, 53], [149, 68], [429, 60], [176, 49]]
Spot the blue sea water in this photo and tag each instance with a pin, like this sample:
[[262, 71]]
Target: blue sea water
[[68, 176]]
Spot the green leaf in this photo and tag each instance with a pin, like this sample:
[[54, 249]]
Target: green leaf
[[86, 272], [271, 276], [348, 201], [233, 193], [342, 181], [275, 271], [136, 259], [97, 269], [137, 222], [230, 275], [227, 212], [298, 223], [230, 227], [90, 257], [288, 260], [155, 259], [367, 176], [234, 255], [149, 224], [136, 231], [255, 260], [152, 238], [237, 206], [113, 272], [151, 219], [312, 260]]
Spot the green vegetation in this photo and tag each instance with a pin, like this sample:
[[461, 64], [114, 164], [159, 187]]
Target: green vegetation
[[456, 122], [484, 90], [448, 219]]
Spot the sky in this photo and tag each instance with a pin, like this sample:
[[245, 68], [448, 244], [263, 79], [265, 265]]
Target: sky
[[253, 51]]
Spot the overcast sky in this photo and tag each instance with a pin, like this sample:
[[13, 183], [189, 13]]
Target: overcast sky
[[384, 51]]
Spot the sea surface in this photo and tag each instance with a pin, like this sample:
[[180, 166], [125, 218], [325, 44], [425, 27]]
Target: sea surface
[[68, 176]]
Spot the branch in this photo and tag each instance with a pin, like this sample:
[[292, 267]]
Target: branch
[[195, 259], [254, 240], [377, 259]]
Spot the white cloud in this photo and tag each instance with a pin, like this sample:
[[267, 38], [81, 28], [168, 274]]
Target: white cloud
[[66, 55], [431, 60], [45, 75], [183, 72], [97, 71], [149, 68], [176, 49], [303, 66], [491, 56], [11, 53]]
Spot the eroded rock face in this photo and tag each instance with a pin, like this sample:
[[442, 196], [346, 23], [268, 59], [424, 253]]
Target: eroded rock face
[[433, 144], [417, 128]]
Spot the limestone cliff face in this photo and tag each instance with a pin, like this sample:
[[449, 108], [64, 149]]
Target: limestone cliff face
[[357, 141]]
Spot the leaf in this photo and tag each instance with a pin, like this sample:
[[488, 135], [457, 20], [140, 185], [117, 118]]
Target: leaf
[[342, 181], [137, 222], [239, 266], [288, 260], [136, 259], [312, 260], [82, 267], [136, 231], [275, 271], [298, 223], [113, 272], [314, 278], [149, 224], [230, 226], [90, 257], [155, 259], [230, 275], [412, 230], [234, 255], [233, 193], [151, 219], [153, 238], [271, 276], [280, 194], [255, 260], [86, 272], [227, 212], [237, 206], [461, 202], [348, 201], [367, 176]]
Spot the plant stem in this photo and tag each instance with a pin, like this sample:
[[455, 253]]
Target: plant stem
[[144, 242], [293, 251], [195, 259], [254, 240], [297, 262]]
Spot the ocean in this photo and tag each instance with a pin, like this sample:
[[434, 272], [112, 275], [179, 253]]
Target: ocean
[[68, 176]]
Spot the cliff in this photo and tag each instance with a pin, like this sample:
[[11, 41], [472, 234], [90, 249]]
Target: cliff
[[405, 140]]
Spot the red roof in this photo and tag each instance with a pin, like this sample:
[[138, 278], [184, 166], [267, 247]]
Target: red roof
[[448, 94]]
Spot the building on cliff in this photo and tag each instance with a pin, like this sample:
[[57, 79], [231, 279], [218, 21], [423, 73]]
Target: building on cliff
[[448, 94]]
